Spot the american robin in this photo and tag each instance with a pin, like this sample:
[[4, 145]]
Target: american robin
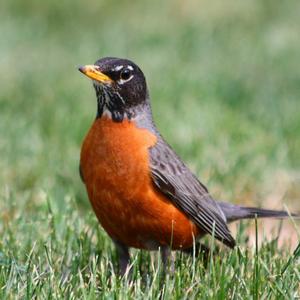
[[141, 191]]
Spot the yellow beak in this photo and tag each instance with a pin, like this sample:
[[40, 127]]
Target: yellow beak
[[93, 72]]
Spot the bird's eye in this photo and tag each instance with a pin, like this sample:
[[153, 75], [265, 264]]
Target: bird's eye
[[125, 74]]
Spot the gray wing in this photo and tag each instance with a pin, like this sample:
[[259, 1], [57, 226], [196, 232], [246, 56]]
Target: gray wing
[[172, 177]]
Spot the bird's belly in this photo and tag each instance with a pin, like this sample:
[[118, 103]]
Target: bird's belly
[[145, 220], [115, 168]]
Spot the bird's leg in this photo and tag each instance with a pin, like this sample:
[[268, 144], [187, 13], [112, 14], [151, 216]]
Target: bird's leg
[[123, 257], [166, 258], [199, 249]]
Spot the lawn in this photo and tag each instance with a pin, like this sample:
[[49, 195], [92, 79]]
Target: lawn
[[224, 80]]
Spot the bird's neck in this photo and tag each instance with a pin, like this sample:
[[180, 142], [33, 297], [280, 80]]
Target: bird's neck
[[140, 114]]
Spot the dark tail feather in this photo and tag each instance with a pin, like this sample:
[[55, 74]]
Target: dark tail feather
[[235, 212]]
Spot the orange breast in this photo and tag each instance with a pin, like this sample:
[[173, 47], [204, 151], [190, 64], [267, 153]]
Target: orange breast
[[115, 167]]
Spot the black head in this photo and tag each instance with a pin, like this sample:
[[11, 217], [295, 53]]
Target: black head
[[120, 86]]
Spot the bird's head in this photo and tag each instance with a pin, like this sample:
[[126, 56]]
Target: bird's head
[[120, 86]]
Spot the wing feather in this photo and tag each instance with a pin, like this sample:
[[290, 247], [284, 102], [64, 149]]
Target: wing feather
[[172, 177]]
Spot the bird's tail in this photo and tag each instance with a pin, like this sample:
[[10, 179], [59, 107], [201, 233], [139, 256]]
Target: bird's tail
[[235, 212]]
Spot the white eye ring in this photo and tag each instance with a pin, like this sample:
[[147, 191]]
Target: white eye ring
[[118, 68], [123, 75], [122, 81]]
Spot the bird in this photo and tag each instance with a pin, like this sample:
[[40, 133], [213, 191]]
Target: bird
[[142, 193]]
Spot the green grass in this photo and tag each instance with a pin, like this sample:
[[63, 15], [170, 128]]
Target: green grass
[[224, 80]]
